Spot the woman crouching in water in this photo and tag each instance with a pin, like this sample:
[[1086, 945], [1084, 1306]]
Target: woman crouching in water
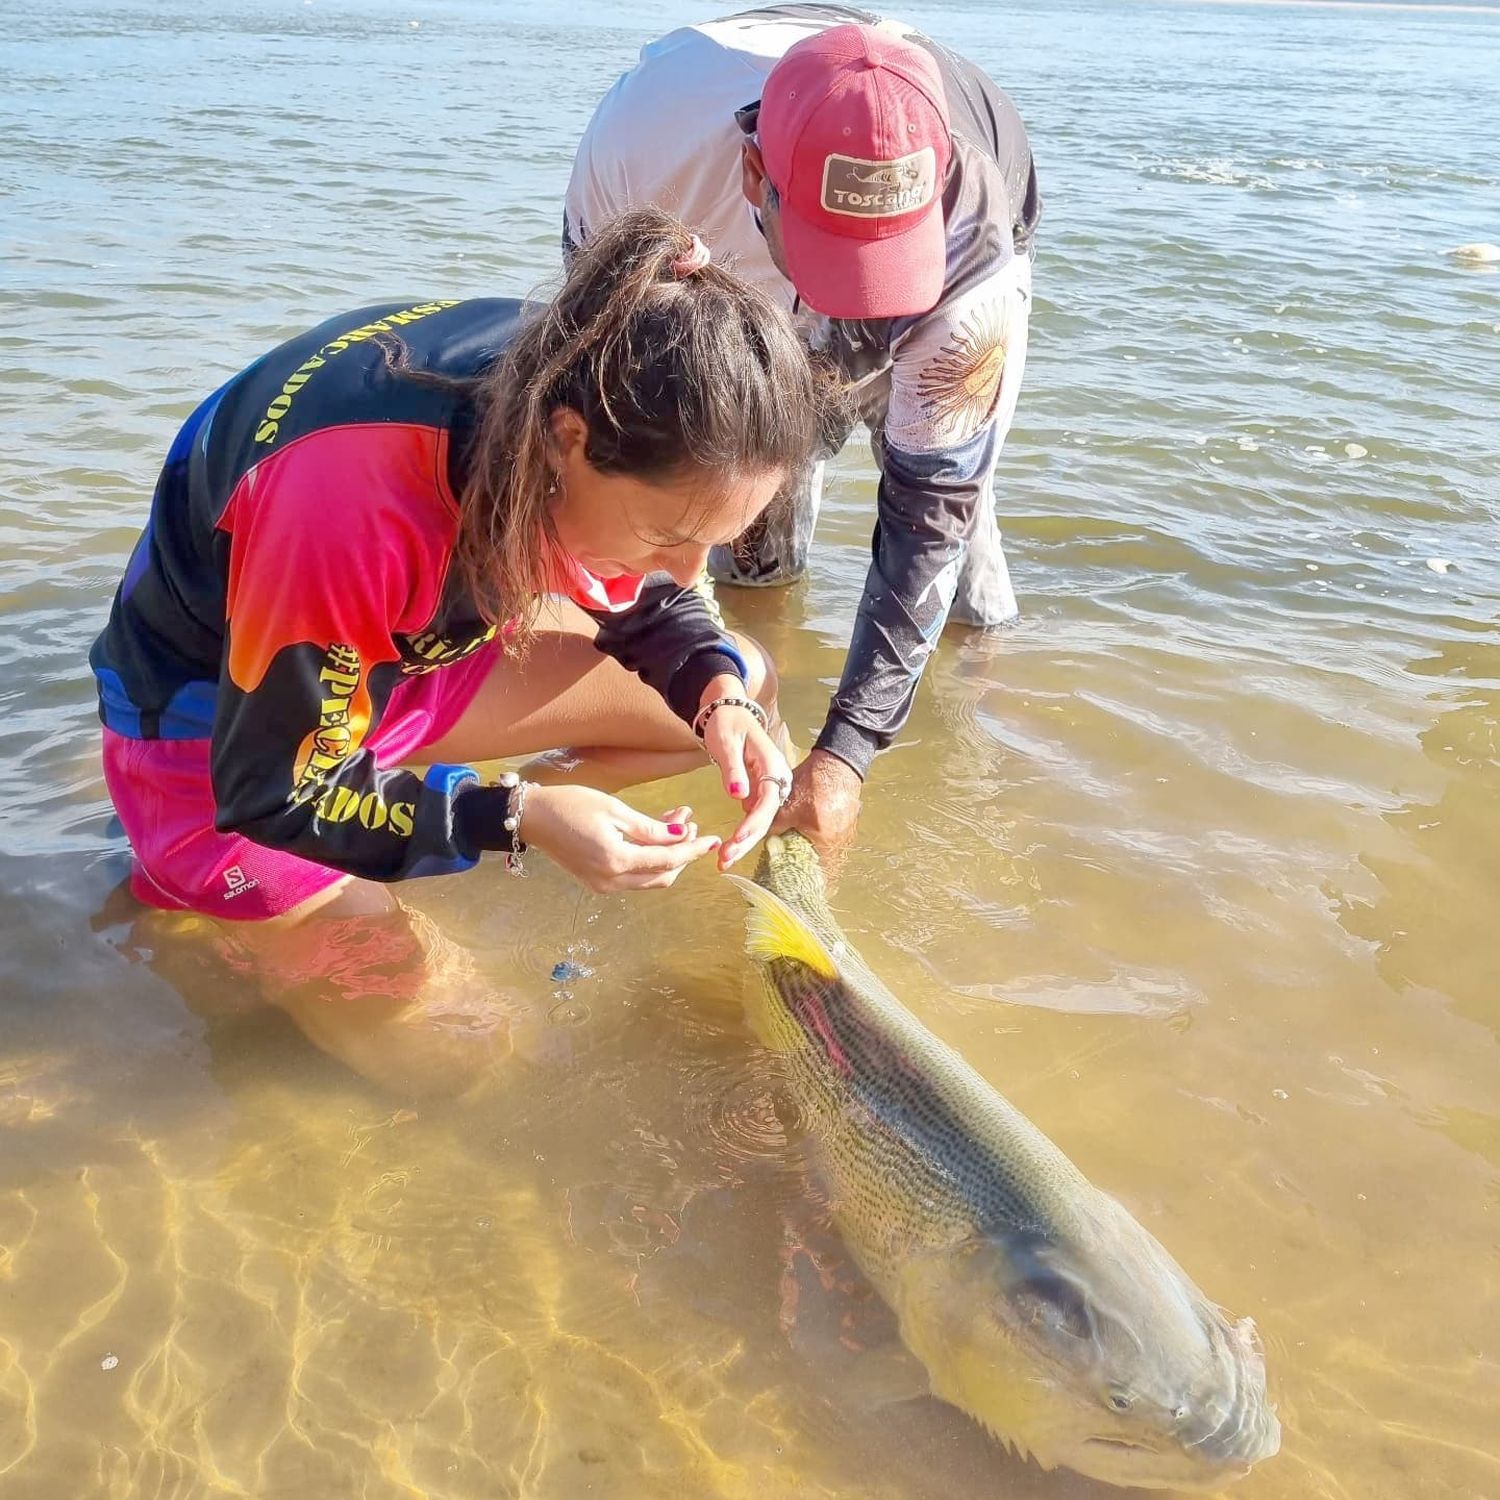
[[344, 574]]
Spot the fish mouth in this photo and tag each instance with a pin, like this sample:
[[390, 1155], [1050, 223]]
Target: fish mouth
[[1228, 1451], [1121, 1461], [1123, 1445]]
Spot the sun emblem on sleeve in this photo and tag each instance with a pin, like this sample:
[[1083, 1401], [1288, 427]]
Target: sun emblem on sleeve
[[960, 386]]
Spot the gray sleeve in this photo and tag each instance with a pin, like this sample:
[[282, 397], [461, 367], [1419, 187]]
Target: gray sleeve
[[927, 512], [937, 444]]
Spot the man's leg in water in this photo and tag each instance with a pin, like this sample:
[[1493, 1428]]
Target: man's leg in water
[[773, 552], [377, 983]]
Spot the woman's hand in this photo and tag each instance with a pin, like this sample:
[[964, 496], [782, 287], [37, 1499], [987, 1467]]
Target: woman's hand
[[606, 845], [752, 768]]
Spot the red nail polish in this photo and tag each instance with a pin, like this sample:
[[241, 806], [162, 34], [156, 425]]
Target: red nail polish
[[736, 788], [675, 829]]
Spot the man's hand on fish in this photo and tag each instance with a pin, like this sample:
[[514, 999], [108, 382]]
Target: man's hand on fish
[[824, 806], [754, 771]]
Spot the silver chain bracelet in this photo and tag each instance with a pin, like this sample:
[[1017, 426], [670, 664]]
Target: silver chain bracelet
[[515, 810], [731, 700]]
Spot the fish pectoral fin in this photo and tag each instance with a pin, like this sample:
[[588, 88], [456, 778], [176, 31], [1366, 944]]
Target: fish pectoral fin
[[774, 931], [885, 1377]]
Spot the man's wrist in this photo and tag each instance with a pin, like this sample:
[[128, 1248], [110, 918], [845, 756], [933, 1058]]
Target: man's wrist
[[847, 742], [826, 763]]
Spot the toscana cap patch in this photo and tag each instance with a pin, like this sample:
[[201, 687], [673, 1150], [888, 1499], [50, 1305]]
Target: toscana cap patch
[[878, 189], [853, 128]]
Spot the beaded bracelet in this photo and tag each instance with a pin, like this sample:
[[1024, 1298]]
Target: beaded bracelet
[[700, 722], [515, 810]]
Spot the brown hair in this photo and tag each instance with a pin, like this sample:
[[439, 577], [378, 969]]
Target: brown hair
[[673, 373]]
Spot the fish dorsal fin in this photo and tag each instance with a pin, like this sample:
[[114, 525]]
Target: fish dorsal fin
[[774, 931]]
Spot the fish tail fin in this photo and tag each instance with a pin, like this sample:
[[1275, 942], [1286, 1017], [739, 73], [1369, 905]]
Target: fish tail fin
[[774, 931]]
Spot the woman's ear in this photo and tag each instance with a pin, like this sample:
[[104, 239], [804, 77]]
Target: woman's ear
[[570, 437]]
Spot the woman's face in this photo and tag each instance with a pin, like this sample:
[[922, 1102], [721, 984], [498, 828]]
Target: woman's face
[[615, 524]]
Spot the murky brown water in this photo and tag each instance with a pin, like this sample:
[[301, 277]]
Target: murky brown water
[[1200, 865]]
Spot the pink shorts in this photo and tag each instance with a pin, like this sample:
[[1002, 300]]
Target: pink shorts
[[164, 795]]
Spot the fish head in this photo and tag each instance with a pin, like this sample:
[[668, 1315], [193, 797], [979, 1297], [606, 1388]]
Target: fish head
[[1091, 1349]]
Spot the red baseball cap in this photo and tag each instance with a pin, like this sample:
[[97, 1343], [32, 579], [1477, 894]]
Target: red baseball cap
[[853, 129]]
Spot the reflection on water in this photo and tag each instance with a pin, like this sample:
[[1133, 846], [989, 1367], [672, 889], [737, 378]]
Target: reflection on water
[[1198, 864]]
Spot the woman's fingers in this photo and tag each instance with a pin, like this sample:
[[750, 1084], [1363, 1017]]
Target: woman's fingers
[[647, 882], [754, 826], [641, 866], [771, 775], [671, 828], [726, 744], [663, 854]]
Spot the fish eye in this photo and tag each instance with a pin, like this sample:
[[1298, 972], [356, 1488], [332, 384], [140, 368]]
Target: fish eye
[[1120, 1400]]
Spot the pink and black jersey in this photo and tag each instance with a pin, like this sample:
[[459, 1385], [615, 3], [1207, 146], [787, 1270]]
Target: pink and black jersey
[[298, 563]]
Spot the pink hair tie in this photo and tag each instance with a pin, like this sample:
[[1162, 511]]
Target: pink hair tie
[[694, 258]]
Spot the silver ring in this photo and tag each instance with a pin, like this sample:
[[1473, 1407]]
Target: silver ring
[[783, 785]]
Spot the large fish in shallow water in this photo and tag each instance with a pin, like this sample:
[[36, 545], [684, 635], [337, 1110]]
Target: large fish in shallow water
[[1036, 1302]]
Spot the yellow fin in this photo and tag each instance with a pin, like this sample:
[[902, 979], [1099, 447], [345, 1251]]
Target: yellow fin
[[773, 930]]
